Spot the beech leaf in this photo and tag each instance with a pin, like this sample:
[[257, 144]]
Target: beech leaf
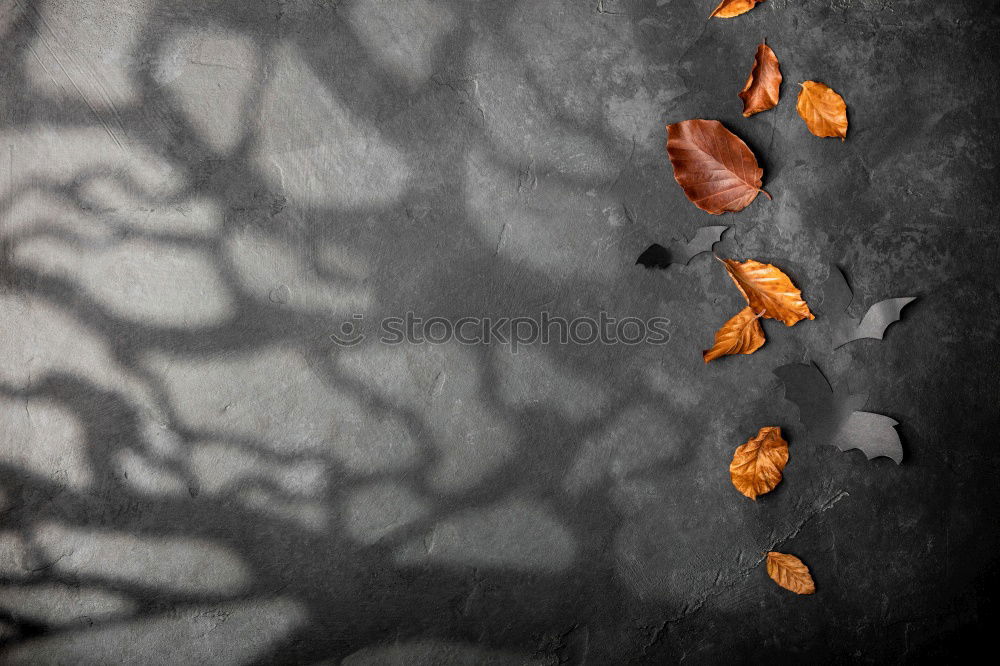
[[731, 8], [740, 335], [824, 111], [762, 88], [790, 573], [716, 169], [757, 465], [768, 291]]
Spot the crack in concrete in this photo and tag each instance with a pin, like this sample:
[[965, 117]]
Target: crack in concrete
[[718, 588], [472, 96], [602, 10]]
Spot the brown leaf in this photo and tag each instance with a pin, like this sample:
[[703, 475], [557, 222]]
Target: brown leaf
[[823, 110], [731, 8], [790, 573], [768, 290], [740, 335], [762, 88], [756, 467], [717, 171]]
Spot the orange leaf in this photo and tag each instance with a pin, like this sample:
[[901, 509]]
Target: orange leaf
[[717, 171], [762, 88], [823, 110], [731, 8], [756, 467], [790, 573], [768, 290], [740, 335]]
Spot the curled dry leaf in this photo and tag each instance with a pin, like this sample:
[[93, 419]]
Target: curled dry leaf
[[761, 91], [768, 290], [790, 573], [717, 171], [756, 466], [823, 110], [731, 8], [740, 335]]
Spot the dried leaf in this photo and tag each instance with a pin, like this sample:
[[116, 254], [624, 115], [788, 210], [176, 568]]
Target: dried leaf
[[761, 91], [756, 467], [768, 290], [717, 171], [731, 8], [790, 573], [740, 335], [823, 110]]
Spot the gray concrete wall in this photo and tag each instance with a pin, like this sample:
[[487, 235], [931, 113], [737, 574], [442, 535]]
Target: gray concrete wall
[[196, 195]]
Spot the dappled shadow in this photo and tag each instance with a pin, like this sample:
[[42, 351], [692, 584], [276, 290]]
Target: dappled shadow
[[194, 472], [189, 212]]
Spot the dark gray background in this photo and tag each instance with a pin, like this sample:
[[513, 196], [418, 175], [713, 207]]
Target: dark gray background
[[196, 195]]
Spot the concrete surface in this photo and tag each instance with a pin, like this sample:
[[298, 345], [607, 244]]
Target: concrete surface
[[195, 196]]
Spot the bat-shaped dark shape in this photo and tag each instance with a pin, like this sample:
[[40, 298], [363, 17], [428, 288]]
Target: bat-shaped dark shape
[[837, 297], [657, 256], [832, 417]]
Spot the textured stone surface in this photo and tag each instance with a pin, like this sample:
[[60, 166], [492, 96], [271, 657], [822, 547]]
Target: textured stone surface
[[194, 196]]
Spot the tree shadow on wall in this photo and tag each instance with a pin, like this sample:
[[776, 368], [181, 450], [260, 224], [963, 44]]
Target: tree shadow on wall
[[195, 465]]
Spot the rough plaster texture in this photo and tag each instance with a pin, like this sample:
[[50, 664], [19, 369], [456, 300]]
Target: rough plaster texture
[[194, 196]]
